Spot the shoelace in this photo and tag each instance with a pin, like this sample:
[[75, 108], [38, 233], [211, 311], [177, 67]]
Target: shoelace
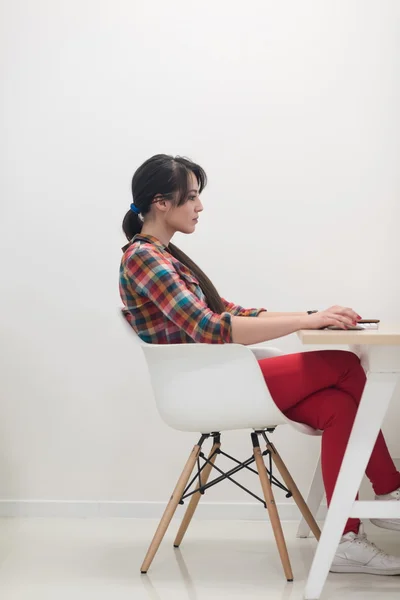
[[362, 540]]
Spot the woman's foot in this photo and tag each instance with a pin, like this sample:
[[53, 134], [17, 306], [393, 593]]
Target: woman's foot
[[356, 554], [388, 523]]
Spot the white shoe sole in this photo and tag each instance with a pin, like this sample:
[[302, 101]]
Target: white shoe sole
[[364, 569], [383, 524]]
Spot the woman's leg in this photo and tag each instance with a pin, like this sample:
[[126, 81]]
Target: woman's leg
[[323, 389], [333, 412]]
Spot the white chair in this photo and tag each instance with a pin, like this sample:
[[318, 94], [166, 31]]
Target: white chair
[[210, 388]]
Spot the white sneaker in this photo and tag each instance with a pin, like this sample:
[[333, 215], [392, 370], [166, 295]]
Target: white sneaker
[[388, 523], [356, 554]]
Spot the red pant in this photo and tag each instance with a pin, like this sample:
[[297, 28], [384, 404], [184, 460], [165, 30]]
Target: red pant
[[323, 390]]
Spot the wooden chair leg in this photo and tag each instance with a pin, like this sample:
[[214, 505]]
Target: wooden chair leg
[[205, 474], [171, 508], [314, 500], [271, 507], [292, 487]]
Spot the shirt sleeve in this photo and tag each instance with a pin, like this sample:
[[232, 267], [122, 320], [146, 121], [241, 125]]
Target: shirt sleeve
[[239, 311], [153, 276]]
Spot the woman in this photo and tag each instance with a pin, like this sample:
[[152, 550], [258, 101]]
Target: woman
[[168, 299]]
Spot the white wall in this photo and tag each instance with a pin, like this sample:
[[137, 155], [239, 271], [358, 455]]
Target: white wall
[[292, 109]]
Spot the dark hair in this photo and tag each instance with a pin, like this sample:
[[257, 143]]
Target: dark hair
[[166, 175]]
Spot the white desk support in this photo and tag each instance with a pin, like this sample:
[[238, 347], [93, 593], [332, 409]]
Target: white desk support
[[379, 351]]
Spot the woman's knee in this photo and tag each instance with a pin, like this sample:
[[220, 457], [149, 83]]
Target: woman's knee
[[344, 357], [347, 363], [354, 367]]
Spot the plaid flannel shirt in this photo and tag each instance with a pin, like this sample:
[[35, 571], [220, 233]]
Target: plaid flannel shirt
[[163, 301]]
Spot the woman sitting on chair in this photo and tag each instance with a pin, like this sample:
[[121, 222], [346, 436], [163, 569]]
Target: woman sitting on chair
[[168, 299]]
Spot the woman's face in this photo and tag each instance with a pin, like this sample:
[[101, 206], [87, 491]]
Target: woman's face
[[184, 218]]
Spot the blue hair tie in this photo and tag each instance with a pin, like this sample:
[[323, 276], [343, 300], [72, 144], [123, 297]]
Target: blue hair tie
[[135, 209]]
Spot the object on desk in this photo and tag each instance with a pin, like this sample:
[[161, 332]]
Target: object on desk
[[364, 324]]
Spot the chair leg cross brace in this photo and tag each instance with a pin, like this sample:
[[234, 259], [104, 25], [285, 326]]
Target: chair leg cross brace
[[227, 475], [267, 480]]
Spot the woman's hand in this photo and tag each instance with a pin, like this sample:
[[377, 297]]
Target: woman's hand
[[338, 316]]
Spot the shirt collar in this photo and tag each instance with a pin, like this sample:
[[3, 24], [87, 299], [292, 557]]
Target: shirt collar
[[139, 237]]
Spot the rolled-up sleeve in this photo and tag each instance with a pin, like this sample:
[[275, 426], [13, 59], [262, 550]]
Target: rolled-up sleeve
[[154, 277], [238, 311]]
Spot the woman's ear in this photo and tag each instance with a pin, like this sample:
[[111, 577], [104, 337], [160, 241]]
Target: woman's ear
[[162, 205]]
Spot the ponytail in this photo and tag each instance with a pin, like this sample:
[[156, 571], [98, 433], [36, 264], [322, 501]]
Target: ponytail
[[131, 225]]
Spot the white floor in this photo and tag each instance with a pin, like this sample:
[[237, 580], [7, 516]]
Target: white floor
[[56, 559]]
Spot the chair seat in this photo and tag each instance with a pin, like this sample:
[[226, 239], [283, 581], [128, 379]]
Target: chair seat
[[205, 388]]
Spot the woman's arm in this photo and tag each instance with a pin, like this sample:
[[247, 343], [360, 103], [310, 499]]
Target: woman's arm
[[248, 330], [268, 314], [238, 311]]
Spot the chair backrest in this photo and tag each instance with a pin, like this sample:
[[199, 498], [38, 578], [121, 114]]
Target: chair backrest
[[208, 387]]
